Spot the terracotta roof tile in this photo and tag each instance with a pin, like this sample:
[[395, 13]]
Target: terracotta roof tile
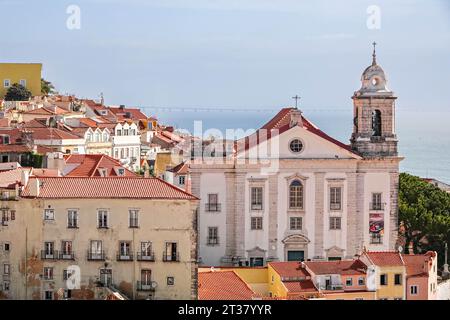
[[90, 165], [223, 285], [107, 187], [385, 258], [300, 286], [290, 269], [8, 179], [343, 267]]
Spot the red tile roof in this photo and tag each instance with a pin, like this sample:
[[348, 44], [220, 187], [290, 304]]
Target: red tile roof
[[51, 133], [223, 285], [8, 179], [300, 286], [289, 269], [281, 122], [107, 187], [135, 113], [90, 164], [47, 111], [14, 148], [385, 258], [181, 168], [343, 267], [415, 264]]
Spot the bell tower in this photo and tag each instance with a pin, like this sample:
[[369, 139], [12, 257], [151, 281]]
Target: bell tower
[[374, 114]]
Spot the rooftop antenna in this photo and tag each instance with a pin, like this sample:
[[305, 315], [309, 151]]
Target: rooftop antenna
[[296, 98]]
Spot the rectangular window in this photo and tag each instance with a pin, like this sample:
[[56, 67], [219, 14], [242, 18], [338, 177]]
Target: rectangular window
[[171, 252], [398, 279], [48, 273], [335, 198], [124, 248], [49, 249], [295, 223], [349, 282], [67, 274], [213, 202], [66, 248], [181, 180], [213, 236], [72, 219], [170, 281], [6, 269], [256, 223], [335, 223], [6, 83], [376, 202], [146, 277], [48, 295], [96, 250], [146, 249], [361, 281], [102, 218], [133, 214], [23, 82], [7, 247], [49, 214], [383, 279], [6, 285], [414, 290], [257, 198]]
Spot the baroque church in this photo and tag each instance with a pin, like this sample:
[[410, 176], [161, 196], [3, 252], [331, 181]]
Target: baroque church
[[290, 192]]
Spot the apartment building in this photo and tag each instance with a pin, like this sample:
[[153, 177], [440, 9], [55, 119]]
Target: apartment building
[[26, 74], [65, 237]]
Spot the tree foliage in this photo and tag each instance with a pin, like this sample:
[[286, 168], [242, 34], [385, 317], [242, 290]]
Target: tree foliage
[[17, 92], [424, 214], [47, 87]]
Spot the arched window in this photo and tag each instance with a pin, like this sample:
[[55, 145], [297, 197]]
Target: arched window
[[296, 195], [376, 123]]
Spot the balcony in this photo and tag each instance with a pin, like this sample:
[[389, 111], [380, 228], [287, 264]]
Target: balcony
[[334, 287], [144, 286], [173, 257], [49, 255], [143, 256], [212, 207], [377, 206], [124, 256], [212, 241], [376, 238], [96, 256], [66, 256]]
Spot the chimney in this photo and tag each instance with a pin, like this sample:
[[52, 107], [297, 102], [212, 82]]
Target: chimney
[[296, 118], [411, 248], [33, 186], [122, 106], [25, 177]]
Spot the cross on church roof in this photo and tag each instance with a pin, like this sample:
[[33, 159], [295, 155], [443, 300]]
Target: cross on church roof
[[296, 98]]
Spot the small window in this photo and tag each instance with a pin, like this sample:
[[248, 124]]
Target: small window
[[49, 214], [335, 198], [398, 279], [349, 282], [335, 223], [133, 214], [170, 281], [48, 273], [6, 269], [256, 223], [67, 274], [102, 219], [181, 180], [23, 82], [383, 280], [213, 236], [6, 83], [72, 219], [7, 247], [414, 290], [257, 198], [48, 295], [121, 171], [295, 223], [376, 201], [119, 132], [361, 281], [6, 285]]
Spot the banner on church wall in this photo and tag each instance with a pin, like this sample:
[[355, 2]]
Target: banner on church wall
[[376, 223]]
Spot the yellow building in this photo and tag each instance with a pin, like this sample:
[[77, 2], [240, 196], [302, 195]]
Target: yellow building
[[26, 74], [386, 273]]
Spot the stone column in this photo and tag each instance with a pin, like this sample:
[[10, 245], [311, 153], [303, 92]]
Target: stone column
[[273, 217], [393, 216], [239, 220], [230, 246], [361, 228], [319, 214], [355, 221]]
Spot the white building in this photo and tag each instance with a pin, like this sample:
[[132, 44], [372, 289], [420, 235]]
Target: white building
[[291, 192], [126, 144]]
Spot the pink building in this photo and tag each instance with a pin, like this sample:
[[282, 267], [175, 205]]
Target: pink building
[[421, 279]]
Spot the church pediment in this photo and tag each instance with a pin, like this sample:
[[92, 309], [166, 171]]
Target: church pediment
[[296, 239]]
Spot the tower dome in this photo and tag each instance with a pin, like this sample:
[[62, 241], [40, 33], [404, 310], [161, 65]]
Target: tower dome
[[373, 80]]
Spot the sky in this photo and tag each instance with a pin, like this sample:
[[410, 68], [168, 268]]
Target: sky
[[233, 53]]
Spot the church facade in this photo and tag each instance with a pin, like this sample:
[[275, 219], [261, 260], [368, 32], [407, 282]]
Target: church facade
[[291, 192]]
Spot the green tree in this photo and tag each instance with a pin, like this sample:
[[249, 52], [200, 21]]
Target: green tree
[[424, 214], [17, 92], [47, 87]]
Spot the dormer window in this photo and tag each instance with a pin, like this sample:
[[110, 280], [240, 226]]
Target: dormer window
[[103, 172], [121, 171], [119, 132]]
